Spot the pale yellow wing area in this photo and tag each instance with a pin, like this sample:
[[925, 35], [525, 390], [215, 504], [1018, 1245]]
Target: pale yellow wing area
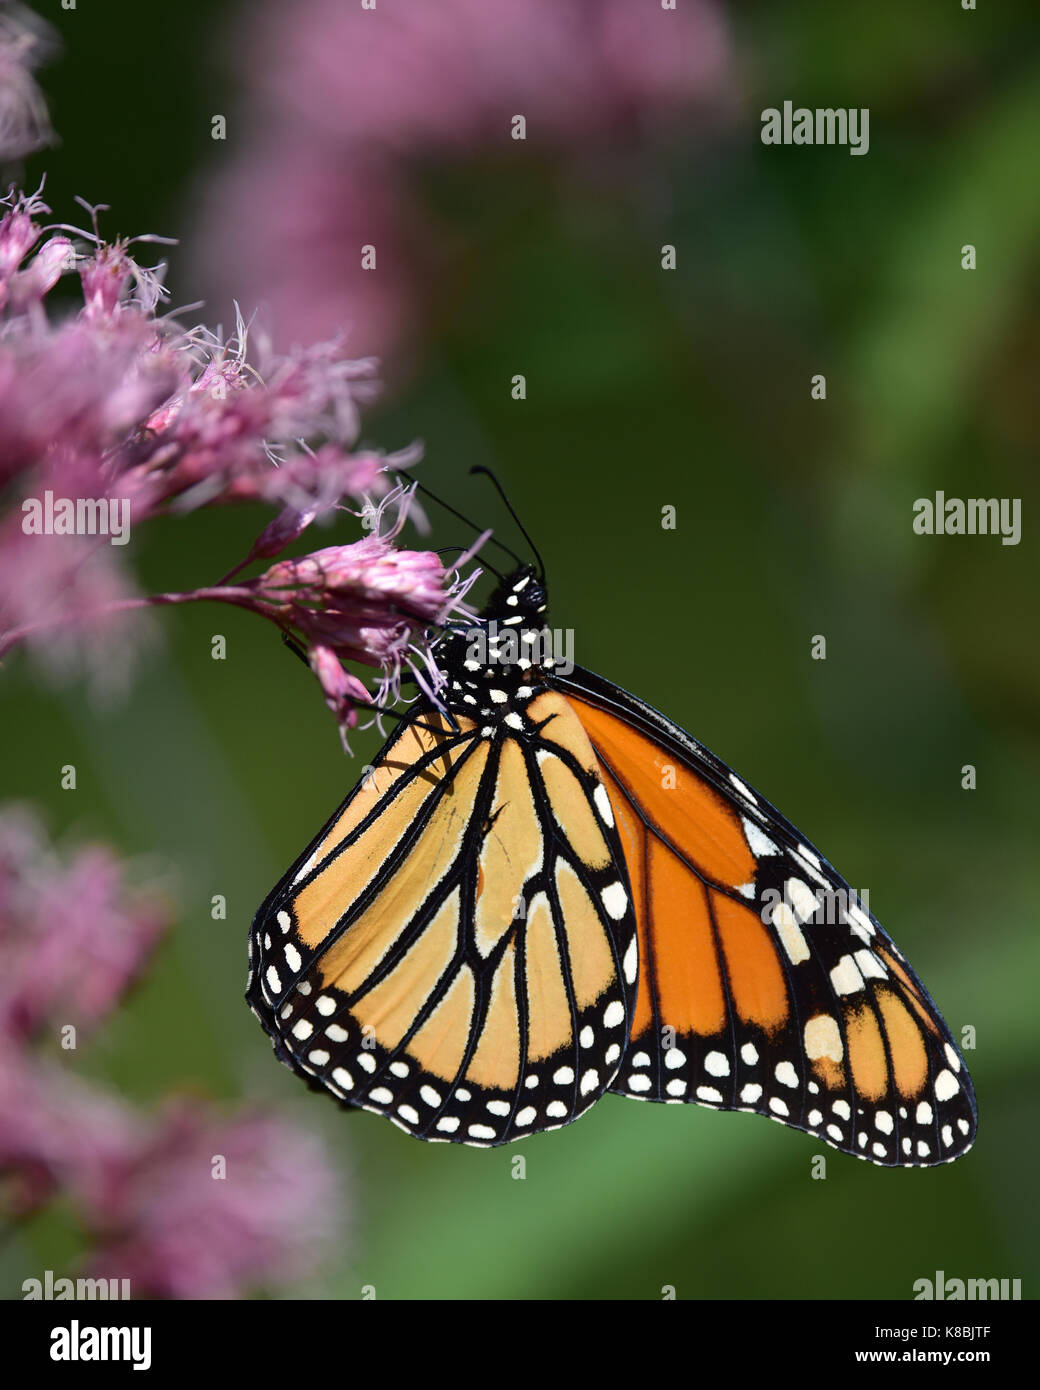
[[457, 949]]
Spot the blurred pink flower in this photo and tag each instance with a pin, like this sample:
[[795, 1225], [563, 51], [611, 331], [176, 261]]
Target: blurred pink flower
[[25, 43], [73, 936], [344, 103], [57, 1134], [193, 1203], [205, 1207]]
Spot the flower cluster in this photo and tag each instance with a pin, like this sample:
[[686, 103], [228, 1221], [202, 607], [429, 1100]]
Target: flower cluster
[[114, 415], [188, 1203], [346, 103]]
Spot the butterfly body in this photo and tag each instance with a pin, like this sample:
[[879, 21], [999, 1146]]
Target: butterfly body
[[481, 683], [545, 889]]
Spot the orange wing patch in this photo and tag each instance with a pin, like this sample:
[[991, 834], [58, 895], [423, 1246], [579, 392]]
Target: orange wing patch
[[685, 962], [669, 794], [755, 974], [753, 994]]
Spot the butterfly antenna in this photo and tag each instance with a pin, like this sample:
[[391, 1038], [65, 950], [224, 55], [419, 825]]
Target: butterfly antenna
[[457, 514], [295, 648], [479, 468]]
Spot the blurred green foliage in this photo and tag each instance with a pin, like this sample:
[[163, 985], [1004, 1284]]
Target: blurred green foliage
[[645, 388]]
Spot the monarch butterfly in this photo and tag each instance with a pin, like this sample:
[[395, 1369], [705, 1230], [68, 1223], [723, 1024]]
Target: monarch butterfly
[[544, 890]]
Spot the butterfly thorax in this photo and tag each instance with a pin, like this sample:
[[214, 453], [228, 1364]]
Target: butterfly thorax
[[494, 663]]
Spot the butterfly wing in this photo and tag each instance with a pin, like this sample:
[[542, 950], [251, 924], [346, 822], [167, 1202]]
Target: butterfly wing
[[765, 984], [456, 950]]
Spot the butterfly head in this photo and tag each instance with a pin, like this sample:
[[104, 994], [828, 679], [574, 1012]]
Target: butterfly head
[[519, 600]]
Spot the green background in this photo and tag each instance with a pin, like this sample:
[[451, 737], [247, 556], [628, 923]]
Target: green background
[[645, 388]]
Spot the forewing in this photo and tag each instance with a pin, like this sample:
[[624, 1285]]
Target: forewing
[[446, 953]]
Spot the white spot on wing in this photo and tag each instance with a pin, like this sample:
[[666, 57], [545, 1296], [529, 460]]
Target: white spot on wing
[[786, 1074], [946, 1085], [716, 1064], [589, 1081], [745, 792], [603, 805], [759, 842], [870, 967], [304, 871], [823, 1039], [801, 897], [615, 900], [845, 976], [614, 1014], [790, 934], [861, 923]]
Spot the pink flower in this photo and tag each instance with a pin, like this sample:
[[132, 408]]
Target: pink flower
[[342, 690], [122, 414], [205, 1208], [345, 104], [361, 582], [363, 602], [194, 1203], [57, 1134], [73, 937]]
